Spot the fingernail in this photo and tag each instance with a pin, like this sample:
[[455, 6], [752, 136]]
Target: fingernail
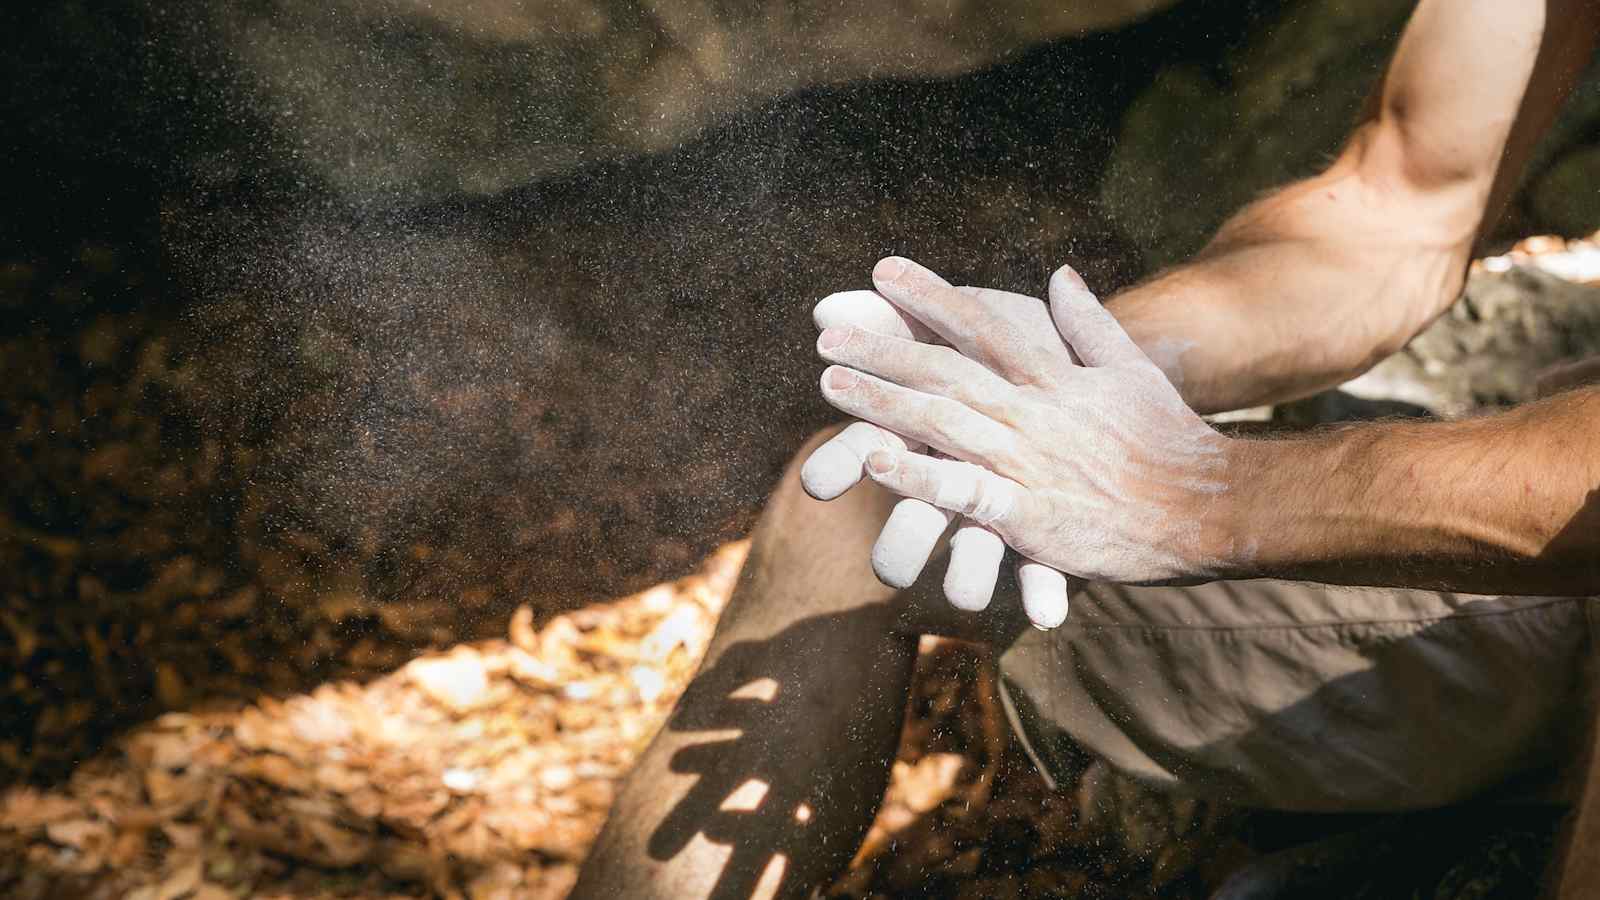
[[1072, 278], [841, 379], [889, 268], [832, 338], [880, 462]]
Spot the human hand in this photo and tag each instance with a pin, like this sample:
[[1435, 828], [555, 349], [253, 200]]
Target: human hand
[[914, 526], [1065, 439]]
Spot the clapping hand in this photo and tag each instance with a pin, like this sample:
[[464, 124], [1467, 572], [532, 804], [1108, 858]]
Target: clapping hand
[[1050, 429]]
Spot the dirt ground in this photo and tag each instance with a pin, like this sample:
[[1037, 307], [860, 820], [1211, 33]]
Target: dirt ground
[[485, 770]]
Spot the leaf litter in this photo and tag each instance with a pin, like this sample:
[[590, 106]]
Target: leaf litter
[[485, 771]]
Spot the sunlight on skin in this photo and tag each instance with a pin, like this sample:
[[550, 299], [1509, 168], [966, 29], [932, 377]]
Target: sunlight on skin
[[771, 878], [746, 797], [716, 856], [763, 689]]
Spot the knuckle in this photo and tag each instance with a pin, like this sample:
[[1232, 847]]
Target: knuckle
[[1007, 452], [993, 348], [945, 418], [945, 358], [995, 448]]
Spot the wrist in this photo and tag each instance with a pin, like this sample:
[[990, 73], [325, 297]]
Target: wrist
[[1286, 503], [1209, 510], [1242, 522]]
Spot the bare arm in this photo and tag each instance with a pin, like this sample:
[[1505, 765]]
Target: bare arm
[[1314, 284], [1089, 461], [1504, 503]]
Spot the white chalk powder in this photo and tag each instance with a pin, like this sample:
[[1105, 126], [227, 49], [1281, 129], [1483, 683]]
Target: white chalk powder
[[975, 557], [906, 542]]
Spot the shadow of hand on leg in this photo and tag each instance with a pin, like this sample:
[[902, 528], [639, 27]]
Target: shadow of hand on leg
[[799, 731]]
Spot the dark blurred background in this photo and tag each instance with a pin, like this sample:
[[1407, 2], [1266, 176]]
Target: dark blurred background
[[334, 330]]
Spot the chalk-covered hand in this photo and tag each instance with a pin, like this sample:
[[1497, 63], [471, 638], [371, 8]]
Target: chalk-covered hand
[[1064, 438], [914, 527]]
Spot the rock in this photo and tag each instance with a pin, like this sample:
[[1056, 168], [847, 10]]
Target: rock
[[1205, 139], [1566, 197], [458, 682], [1491, 347], [394, 97], [579, 388]]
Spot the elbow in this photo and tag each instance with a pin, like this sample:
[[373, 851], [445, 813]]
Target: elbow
[[1441, 196]]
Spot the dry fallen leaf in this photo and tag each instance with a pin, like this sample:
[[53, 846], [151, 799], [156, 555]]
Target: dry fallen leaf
[[487, 770]]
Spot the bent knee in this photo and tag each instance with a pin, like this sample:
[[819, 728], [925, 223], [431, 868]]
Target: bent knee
[[825, 547]]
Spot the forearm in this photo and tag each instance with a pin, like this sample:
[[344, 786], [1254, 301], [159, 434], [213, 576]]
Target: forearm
[[1298, 293], [1505, 503]]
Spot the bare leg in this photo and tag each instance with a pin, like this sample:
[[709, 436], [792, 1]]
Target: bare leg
[[772, 765]]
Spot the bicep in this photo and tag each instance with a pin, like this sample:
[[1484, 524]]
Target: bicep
[[1471, 87]]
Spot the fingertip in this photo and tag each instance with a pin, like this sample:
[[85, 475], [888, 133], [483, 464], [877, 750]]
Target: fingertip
[[1068, 296], [968, 596], [829, 471], [832, 338], [889, 268], [1067, 278], [975, 556], [882, 462], [1044, 594], [863, 309], [906, 542], [1048, 616], [838, 378], [897, 577], [841, 308]]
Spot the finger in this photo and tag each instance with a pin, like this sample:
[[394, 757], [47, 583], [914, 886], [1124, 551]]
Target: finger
[[1008, 333], [952, 485], [939, 371], [907, 541], [1044, 594], [1086, 325], [869, 311], [835, 467], [975, 556], [939, 422]]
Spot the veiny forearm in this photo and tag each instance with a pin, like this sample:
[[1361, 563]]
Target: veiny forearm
[[1505, 503], [1299, 292]]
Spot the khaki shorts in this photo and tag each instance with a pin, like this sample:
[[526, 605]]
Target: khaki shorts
[[1306, 697]]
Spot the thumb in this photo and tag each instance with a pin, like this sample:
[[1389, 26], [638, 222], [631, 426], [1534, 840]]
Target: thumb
[[1087, 327]]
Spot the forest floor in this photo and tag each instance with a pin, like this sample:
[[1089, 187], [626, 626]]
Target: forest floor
[[486, 769]]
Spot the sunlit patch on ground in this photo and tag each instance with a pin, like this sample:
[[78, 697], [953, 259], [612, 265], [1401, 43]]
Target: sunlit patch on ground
[[1575, 260], [484, 771]]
